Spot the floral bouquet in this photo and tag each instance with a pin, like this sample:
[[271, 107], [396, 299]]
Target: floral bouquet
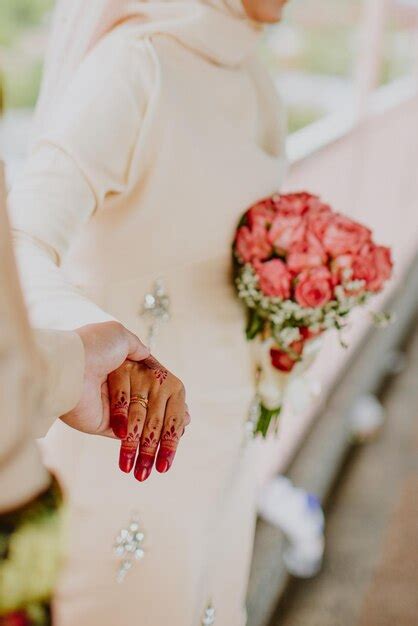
[[300, 268]]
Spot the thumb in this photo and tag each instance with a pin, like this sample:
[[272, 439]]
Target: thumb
[[137, 351]]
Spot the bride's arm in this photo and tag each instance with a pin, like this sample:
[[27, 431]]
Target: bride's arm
[[48, 207], [84, 156]]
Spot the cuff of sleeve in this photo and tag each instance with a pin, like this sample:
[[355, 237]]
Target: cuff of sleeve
[[63, 354]]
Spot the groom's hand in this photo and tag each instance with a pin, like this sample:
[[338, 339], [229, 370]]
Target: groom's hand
[[106, 347]]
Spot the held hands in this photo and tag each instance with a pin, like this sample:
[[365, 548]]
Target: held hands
[[148, 412], [106, 347], [128, 395]]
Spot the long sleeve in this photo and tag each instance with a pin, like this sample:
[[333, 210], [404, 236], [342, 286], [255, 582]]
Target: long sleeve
[[83, 157], [62, 378], [22, 474], [36, 382]]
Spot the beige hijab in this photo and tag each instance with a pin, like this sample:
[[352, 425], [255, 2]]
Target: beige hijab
[[218, 29]]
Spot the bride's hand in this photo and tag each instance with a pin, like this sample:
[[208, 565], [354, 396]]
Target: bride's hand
[[148, 412]]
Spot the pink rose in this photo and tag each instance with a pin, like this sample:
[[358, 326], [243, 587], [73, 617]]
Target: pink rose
[[252, 244], [317, 207], [274, 278], [261, 214], [373, 265], [314, 288], [294, 203], [306, 254], [342, 269], [344, 236], [384, 263], [318, 220], [286, 230]]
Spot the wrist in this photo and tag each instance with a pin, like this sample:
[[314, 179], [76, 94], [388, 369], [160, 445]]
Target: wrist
[[64, 355]]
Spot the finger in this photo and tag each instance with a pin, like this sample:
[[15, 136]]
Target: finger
[[137, 351], [119, 394], [105, 429], [188, 417], [174, 424], [187, 422], [136, 420], [150, 438]]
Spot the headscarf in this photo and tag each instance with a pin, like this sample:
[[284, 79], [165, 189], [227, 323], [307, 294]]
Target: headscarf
[[217, 29]]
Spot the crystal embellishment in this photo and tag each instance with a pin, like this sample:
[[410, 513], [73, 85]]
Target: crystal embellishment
[[156, 309], [129, 547], [209, 616]]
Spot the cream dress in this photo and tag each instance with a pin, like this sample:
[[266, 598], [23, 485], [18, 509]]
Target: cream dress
[[153, 153]]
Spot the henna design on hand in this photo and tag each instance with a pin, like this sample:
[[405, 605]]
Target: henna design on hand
[[128, 449], [133, 437], [146, 456], [120, 407], [150, 443], [119, 416], [160, 372], [169, 443], [171, 438]]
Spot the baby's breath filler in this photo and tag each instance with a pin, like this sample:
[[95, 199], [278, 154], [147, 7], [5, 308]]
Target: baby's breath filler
[[283, 319]]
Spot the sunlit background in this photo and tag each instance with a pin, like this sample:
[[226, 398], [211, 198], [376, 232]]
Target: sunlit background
[[315, 53]]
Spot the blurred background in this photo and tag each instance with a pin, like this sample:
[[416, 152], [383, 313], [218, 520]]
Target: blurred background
[[348, 73], [314, 53]]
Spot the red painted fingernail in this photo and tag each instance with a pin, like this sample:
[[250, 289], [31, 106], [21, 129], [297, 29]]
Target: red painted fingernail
[[164, 462], [142, 473], [120, 426], [162, 466], [126, 461]]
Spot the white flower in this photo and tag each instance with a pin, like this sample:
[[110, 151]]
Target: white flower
[[288, 335]]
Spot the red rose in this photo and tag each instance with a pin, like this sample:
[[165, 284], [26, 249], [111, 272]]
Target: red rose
[[19, 618], [261, 214], [274, 278], [252, 244], [344, 236], [373, 265], [314, 288], [307, 333], [286, 230], [306, 254], [282, 360]]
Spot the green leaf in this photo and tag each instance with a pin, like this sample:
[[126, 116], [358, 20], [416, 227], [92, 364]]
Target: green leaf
[[243, 221], [236, 265], [255, 324]]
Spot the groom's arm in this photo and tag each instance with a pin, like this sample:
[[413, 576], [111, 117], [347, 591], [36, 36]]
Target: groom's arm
[[40, 382], [63, 356], [71, 364], [76, 366]]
